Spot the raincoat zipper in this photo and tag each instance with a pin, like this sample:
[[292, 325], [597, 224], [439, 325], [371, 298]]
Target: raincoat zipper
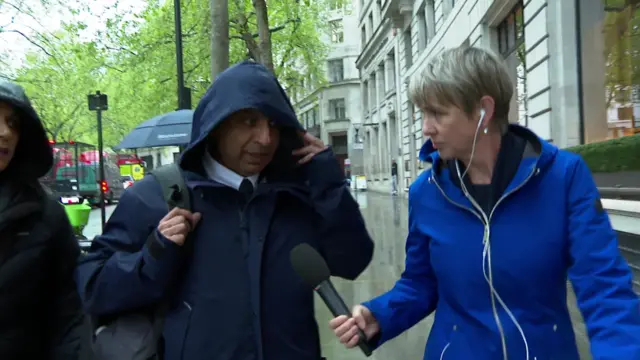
[[486, 222]]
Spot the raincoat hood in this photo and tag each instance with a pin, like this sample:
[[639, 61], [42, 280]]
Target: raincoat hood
[[246, 85], [33, 156]]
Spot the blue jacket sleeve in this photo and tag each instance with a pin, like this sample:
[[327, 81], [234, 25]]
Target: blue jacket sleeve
[[345, 242], [600, 276], [130, 265], [415, 295]]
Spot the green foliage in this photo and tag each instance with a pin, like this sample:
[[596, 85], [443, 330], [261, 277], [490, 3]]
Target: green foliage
[[133, 61], [622, 154]]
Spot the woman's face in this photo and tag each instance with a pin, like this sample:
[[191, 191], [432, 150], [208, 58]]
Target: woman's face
[[451, 130], [9, 134]]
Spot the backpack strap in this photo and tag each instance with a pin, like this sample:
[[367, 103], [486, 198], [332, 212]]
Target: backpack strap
[[176, 194], [174, 189]]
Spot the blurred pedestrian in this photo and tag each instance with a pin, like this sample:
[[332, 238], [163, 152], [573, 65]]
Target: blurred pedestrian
[[260, 187], [496, 227], [394, 177], [41, 315]]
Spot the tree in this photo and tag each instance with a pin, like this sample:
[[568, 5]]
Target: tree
[[133, 61], [58, 83], [264, 33], [219, 36]]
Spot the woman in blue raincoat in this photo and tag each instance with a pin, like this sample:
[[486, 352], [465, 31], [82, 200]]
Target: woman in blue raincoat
[[496, 227]]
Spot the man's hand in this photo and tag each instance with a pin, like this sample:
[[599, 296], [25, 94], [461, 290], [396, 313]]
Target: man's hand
[[312, 146], [177, 224]]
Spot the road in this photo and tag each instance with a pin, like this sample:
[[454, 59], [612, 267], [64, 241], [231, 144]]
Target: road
[[94, 227], [386, 218]]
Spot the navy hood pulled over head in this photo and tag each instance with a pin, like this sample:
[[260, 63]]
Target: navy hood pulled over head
[[33, 155], [243, 86]]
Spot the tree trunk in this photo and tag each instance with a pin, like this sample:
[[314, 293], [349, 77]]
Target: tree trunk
[[264, 34], [219, 36]]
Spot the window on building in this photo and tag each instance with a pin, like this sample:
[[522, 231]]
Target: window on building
[[430, 18], [336, 70], [391, 70], [511, 47], [338, 109], [422, 29], [363, 35], [365, 96], [371, 28], [447, 5], [408, 51], [314, 116], [337, 31]]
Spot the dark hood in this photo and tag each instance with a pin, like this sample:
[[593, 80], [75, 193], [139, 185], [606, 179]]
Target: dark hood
[[246, 85], [33, 156]]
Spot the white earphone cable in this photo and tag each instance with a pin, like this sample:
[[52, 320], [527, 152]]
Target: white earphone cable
[[486, 256]]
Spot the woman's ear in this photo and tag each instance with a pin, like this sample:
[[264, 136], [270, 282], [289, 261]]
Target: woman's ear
[[488, 106]]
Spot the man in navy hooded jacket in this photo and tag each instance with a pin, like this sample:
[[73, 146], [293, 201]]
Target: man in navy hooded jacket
[[238, 297]]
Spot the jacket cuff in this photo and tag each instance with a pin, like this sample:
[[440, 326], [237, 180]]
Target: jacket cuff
[[160, 256], [377, 310], [323, 169]]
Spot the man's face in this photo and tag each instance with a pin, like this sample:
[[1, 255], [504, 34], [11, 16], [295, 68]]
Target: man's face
[[246, 142], [9, 134]]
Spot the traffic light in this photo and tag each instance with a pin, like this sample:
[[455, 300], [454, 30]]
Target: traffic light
[[104, 186]]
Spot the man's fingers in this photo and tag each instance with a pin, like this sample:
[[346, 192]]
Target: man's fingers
[[312, 140], [303, 150], [180, 228], [195, 220], [178, 239], [306, 159]]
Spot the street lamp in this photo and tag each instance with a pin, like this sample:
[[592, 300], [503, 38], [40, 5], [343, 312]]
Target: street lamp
[[184, 93], [99, 102]]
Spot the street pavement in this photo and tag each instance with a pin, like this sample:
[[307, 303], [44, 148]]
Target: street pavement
[[386, 217], [94, 226]]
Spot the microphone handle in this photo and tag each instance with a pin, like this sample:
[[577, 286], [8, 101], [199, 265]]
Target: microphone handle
[[337, 307]]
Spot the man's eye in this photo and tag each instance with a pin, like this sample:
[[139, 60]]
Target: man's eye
[[250, 121], [272, 124]]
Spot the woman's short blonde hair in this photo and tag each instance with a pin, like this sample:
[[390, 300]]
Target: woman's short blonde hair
[[461, 77]]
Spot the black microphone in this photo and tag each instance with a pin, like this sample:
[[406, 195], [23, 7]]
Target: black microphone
[[312, 268]]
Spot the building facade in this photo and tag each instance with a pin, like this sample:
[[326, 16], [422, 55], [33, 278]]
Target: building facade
[[554, 49], [331, 110]]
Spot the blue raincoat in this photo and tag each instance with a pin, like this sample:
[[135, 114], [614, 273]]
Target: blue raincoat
[[547, 226]]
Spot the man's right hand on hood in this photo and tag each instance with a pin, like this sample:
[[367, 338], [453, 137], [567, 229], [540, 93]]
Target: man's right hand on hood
[[177, 224]]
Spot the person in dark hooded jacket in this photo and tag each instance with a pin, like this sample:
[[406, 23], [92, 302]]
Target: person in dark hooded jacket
[[41, 315], [260, 186]]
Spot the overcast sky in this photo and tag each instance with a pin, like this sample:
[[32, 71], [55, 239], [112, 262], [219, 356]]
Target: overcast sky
[[47, 20]]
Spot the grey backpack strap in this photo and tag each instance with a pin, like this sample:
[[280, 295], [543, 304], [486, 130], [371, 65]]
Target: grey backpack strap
[[138, 336], [174, 190], [176, 194]]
